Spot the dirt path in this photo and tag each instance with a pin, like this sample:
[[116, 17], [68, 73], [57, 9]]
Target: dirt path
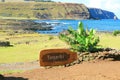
[[99, 70], [20, 66]]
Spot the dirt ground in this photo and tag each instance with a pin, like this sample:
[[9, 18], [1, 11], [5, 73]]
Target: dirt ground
[[95, 70], [20, 66]]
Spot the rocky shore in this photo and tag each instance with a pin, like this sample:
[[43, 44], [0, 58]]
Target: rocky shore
[[28, 25]]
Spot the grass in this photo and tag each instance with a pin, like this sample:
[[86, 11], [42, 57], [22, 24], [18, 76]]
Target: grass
[[22, 52], [23, 10], [108, 40], [18, 18], [10, 71]]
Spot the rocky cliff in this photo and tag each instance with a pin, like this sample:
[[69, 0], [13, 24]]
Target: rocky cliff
[[96, 13], [62, 11]]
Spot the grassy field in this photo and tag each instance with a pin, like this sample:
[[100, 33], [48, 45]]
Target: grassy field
[[26, 47], [10, 71], [108, 40]]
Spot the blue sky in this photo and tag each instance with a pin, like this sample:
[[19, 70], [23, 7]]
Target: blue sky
[[110, 5]]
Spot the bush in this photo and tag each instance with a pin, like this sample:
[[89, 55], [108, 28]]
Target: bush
[[116, 32], [4, 43], [51, 37], [81, 40]]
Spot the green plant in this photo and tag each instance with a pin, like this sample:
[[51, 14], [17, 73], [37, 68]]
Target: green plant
[[116, 32], [51, 37], [5, 44], [81, 40]]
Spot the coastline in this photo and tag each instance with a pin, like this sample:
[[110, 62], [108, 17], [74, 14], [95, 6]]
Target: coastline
[[29, 43]]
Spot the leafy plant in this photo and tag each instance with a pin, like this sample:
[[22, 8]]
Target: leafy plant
[[51, 37], [81, 40], [4, 44], [116, 32]]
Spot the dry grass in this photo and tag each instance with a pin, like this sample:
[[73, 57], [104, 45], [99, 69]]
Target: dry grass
[[108, 40], [24, 10], [26, 47]]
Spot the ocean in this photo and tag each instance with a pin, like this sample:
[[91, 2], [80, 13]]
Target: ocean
[[107, 25]]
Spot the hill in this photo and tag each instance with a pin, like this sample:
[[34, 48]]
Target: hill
[[25, 0], [96, 13], [51, 10], [44, 10]]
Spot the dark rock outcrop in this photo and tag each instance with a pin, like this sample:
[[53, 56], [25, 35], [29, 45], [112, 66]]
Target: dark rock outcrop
[[31, 25], [96, 13]]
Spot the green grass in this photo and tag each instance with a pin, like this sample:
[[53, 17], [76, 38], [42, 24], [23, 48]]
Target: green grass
[[18, 18], [108, 40], [10, 71], [22, 52]]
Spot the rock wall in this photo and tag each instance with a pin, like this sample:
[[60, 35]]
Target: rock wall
[[96, 13]]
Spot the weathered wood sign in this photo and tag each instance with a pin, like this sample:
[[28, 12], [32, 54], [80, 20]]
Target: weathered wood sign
[[54, 57]]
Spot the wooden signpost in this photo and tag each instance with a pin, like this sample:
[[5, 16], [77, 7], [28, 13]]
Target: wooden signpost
[[54, 57]]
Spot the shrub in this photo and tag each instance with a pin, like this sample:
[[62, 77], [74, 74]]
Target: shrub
[[81, 40], [4, 43], [51, 37], [116, 32]]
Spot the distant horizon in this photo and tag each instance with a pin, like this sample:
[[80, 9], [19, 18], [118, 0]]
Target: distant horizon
[[111, 5]]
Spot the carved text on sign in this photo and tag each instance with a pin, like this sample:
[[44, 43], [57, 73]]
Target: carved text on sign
[[50, 57]]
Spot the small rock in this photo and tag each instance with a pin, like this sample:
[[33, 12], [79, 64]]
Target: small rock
[[78, 53], [71, 64], [108, 49], [80, 58], [92, 57], [78, 62], [48, 67], [67, 65], [109, 59]]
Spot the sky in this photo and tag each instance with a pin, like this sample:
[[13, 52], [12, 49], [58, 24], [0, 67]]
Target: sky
[[109, 5]]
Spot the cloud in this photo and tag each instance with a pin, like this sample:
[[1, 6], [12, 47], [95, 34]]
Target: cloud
[[95, 3]]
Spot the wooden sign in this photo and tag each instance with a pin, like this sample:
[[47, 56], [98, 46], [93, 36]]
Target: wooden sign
[[54, 57]]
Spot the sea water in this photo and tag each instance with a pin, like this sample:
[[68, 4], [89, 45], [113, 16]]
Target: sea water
[[108, 25]]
